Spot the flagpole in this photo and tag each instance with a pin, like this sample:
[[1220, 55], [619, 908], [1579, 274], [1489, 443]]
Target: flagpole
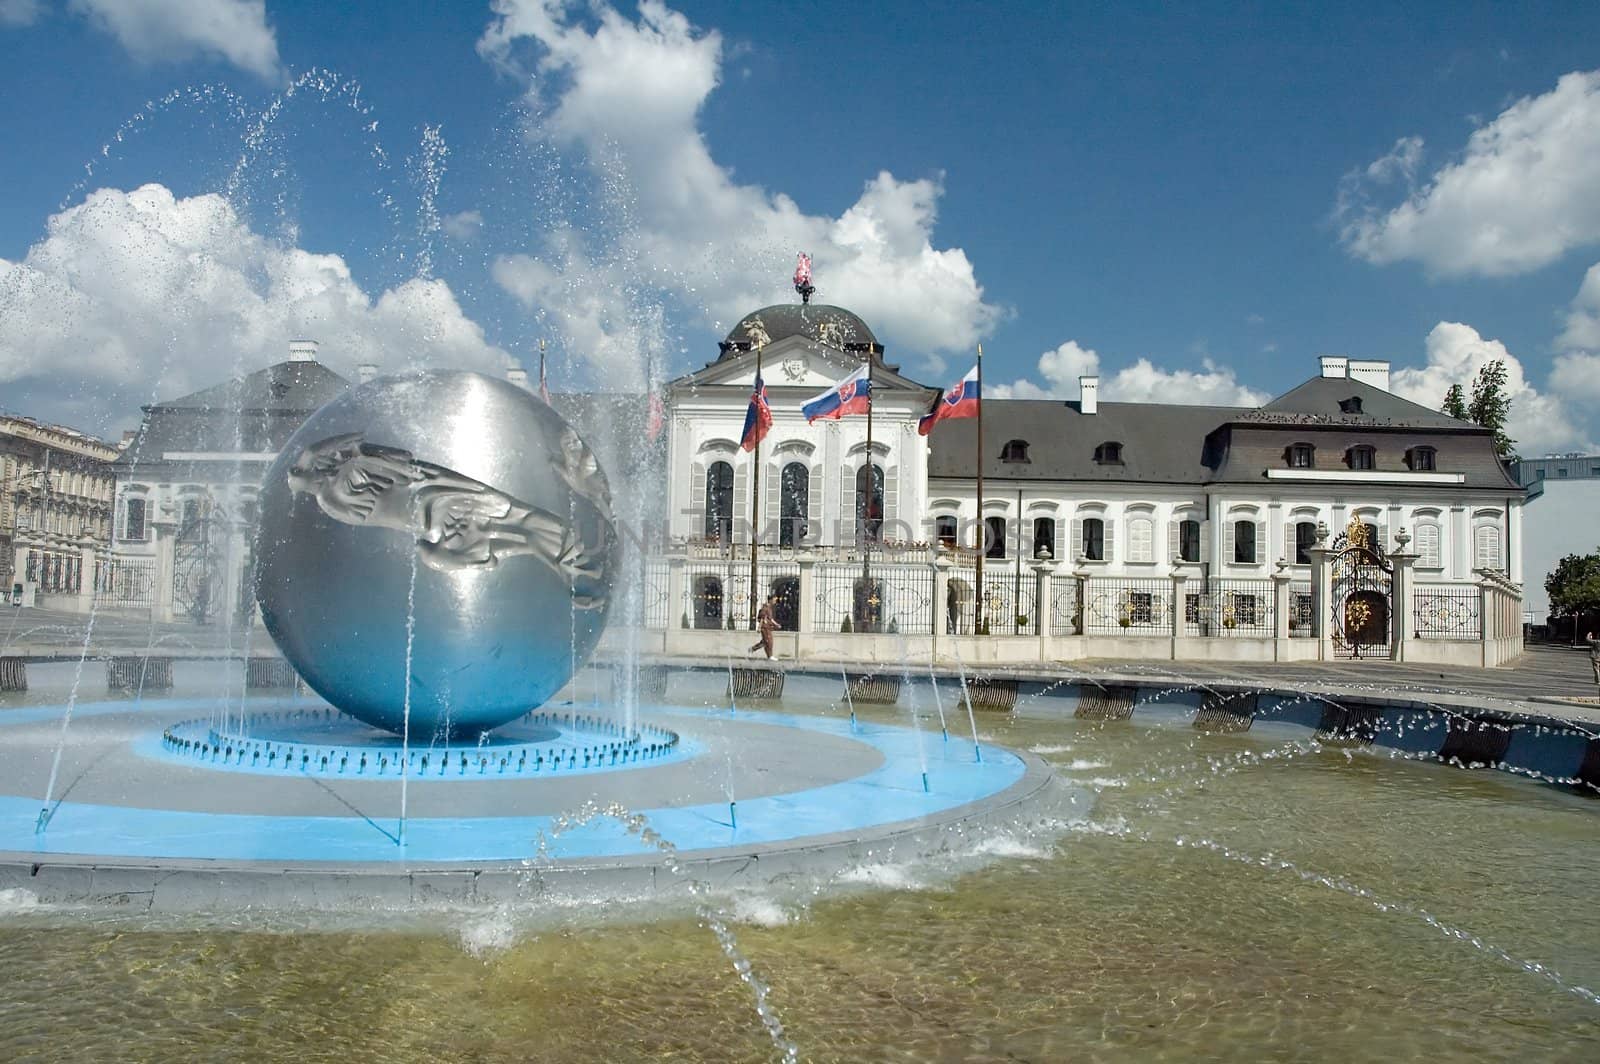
[[755, 501], [977, 583], [544, 392], [866, 511]]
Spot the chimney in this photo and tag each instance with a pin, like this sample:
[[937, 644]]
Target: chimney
[[1334, 366], [302, 350], [1371, 371], [365, 372], [1089, 394], [518, 376]]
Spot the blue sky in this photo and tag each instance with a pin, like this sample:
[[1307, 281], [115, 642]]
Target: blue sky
[[1194, 204]]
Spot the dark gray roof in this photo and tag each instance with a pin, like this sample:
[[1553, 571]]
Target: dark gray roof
[[255, 414], [1160, 443], [282, 386], [832, 326], [1172, 444], [1323, 400]]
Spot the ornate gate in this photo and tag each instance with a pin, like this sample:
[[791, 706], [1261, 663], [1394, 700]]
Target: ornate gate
[[1362, 599], [197, 563]]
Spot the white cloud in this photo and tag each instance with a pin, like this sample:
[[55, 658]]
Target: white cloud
[[1455, 352], [1142, 382], [1521, 194], [463, 227], [19, 12], [1576, 373], [133, 296], [628, 94], [156, 30], [1583, 320]]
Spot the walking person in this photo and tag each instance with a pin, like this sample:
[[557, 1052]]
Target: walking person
[[1594, 656], [766, 623]]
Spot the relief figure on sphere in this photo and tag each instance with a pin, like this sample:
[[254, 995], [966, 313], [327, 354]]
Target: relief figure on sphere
[[462, 523]]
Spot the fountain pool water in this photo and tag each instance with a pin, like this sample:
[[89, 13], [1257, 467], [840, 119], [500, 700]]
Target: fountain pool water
[[1257, 895]]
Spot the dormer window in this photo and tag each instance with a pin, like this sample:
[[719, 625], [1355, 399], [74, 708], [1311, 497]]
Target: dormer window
[[1302, 456], [1363, 457], [1422, 459], [1351, 405], [1014, 451], [1108, 453]]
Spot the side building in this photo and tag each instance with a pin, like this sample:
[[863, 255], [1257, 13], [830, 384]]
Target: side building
[[56, 488], [186, 488], [1563, 518]]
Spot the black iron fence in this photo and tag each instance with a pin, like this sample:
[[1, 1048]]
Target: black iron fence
[[1447, 611], [125, 583], [1230, 607], [1127, 606], [884, 597]]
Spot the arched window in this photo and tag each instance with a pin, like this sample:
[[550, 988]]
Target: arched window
[[1108, 453], [1044, 537], [1244, 542], [994, 537], [1094, 539], [869, 506], [1014, 451], [1423, 459], [1305, 537], [794, 493], [719, 504], [1302, 456], [1141, 539], [1486, 552], [1189, 540], [944, 529], [1363, 457]]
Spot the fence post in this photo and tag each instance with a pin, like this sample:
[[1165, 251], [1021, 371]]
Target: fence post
[[1043, 608], [1322, 595], [677, 593], [1402, 597], [807, 621], [86, 555], [941, 600], [1280, 611], [1179, 611]]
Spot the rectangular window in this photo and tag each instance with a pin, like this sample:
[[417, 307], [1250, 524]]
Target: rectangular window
[[1486, 543], [1139, 607], [1428, 546], [1244, 542], [1094, 539], [1141, 540], [1305, 537], [1189, 540], [1244, 610], [1044, 537], [133, 527], [995, 528]]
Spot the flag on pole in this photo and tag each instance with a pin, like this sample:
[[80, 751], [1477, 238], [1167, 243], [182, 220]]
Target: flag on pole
[[544, 389], [657, 418], [849, 396], [960, 401], [757, 419]]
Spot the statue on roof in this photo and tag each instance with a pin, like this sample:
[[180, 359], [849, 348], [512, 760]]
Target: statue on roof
[[802, 278]]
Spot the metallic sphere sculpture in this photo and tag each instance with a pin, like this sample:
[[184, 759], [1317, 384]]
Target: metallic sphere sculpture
[[443, 530]]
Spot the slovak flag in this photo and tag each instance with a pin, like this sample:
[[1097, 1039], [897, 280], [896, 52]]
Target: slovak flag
[[758, 418], [852, 395], [960, 401]]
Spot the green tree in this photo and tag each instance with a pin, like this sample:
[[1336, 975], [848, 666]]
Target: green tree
[[1491, 405], [1455, 403], [1574, 586]]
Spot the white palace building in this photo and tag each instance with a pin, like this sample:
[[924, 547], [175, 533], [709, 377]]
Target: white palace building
[[1110, 529]]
